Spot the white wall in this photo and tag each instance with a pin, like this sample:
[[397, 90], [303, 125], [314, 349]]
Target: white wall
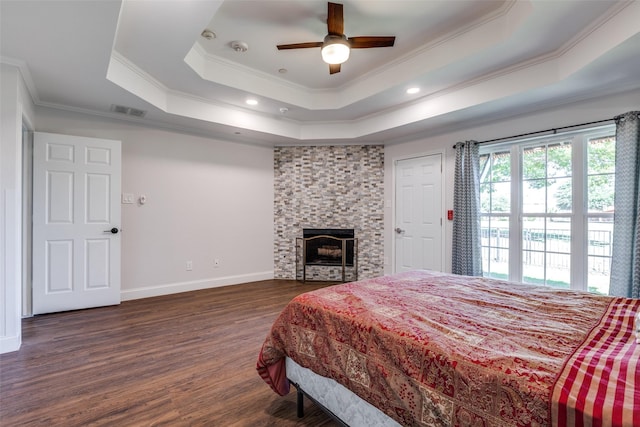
[[206, 199], [15, 106], [576, 113]]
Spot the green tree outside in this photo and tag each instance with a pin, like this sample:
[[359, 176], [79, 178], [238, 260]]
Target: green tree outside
[[542, 166]]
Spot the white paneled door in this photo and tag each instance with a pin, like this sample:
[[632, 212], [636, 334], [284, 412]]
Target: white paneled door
[[418, 216], [76, 222]]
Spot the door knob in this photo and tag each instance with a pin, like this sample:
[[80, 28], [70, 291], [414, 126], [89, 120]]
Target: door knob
[[399, 230], [114, 230]]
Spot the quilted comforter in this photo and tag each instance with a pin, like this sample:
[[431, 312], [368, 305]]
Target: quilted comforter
[[434, 349]]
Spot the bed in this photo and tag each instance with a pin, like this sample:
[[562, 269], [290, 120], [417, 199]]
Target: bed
[[426, 348]]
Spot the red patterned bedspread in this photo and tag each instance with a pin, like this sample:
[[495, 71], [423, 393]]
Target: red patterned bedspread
[[431, 349]]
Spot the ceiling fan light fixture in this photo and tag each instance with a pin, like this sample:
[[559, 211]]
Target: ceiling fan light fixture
[[335, 49]]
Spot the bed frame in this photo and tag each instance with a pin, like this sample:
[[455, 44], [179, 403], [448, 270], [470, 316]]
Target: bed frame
[[300, 394]]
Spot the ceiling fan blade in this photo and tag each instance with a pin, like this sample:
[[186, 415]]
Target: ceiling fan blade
[[334, 68], [299, 45], [335, 20], [364, 42]]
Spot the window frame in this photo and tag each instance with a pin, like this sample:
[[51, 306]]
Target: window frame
[[579, 214]]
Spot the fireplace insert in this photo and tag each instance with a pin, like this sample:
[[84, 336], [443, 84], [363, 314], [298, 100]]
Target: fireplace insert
[[324, 246]]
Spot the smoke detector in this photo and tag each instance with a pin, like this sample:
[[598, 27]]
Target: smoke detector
[[239, 46]]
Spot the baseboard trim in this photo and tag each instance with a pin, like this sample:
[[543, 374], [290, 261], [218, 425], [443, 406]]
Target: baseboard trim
[[173, 288]]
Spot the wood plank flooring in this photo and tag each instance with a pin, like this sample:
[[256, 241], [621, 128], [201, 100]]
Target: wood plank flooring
[[179, 360]]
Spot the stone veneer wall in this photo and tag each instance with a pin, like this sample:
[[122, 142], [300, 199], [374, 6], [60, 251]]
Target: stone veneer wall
[[329, 187]]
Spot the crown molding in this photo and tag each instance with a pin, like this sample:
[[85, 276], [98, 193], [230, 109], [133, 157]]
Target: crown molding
[[23, 69]]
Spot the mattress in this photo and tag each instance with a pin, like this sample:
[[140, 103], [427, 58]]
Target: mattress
[[350, 408]]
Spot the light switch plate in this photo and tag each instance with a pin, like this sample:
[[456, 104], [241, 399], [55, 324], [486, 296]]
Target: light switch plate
[[128, 198]]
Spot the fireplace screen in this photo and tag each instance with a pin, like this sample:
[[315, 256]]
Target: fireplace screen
[[324, 246]]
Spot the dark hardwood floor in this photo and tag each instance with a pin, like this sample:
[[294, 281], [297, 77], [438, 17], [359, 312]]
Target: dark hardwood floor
[[179, 360]]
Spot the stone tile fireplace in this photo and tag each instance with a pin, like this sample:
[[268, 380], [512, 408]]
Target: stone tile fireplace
[[329, 188]]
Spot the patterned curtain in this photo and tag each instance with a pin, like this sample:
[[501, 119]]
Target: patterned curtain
[[625, 265], [466, 256]]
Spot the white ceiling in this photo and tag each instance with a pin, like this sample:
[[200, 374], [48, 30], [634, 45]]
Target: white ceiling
[[474, 60]]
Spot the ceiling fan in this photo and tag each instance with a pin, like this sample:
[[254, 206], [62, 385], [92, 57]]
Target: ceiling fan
[[336, 46]]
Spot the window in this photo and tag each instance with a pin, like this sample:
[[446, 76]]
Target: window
[[495, 208], [547, 209], [600, 192]]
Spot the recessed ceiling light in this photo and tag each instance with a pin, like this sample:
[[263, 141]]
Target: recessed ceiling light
[[239, 46], [208, 34], [252, 101], [413, 90]]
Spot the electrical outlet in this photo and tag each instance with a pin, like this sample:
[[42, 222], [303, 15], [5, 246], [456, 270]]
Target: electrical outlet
[[189, 265], [216, 263]]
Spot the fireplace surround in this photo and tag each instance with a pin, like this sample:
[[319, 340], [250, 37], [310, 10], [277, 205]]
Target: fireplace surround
[[329, 187]]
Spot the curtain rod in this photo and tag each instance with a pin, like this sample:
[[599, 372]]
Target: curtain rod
[[554, 130]]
